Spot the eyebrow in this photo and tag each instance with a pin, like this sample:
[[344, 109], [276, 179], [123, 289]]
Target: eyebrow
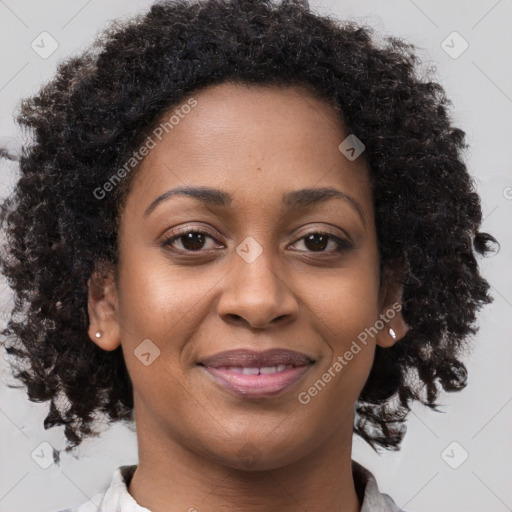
[[295, 199]]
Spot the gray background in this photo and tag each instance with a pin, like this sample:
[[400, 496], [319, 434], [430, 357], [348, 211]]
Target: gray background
[[478, 420]]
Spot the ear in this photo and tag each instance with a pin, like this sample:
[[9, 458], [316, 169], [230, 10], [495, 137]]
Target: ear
[[102, 306], [390, 300]]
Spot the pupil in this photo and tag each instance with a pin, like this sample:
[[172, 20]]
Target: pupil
[[192, 240], [316, 246]]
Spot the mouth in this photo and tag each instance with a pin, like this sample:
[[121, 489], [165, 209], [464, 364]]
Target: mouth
[[257, 374]]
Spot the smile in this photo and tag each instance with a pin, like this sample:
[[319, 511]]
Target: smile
[[257, 382], [252, 374]]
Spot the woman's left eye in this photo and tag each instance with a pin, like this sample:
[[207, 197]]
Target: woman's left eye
[[194, 241], [318, 241]]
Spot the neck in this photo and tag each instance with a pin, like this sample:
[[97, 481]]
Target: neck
[[171, 477]]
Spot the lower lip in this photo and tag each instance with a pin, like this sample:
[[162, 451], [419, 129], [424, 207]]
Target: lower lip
[[257, 386]]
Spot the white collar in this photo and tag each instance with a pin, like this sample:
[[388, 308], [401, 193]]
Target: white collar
[[117, 498]]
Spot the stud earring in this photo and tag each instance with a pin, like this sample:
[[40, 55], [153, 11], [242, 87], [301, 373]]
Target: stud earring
[[98, 334], [392, 332]]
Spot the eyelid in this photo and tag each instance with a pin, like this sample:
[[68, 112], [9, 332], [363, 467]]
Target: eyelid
[[324, 230], [188, 229]]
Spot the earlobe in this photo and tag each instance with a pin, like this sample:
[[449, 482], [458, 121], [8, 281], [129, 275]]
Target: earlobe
[[102, 309], [394, 328]]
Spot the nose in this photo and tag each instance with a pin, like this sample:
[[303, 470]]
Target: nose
[[257, 294]]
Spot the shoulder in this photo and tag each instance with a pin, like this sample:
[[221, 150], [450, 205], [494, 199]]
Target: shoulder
[[113, 499], [372, 500], [93, 505]]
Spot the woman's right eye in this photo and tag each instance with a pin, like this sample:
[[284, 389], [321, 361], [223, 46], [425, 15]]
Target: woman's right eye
[[190, 240]]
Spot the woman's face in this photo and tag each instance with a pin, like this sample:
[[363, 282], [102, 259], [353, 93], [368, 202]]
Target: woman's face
[[299, 275]]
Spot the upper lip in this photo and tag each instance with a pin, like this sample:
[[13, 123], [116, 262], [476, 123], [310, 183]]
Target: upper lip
[[250, 359]]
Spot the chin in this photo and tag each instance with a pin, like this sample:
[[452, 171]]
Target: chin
[[258, 455]]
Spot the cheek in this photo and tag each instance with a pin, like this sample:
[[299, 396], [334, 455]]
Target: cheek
[[152, 308], [346, 301], [345, 309], [158, 313], [167, 305], [157, 299]]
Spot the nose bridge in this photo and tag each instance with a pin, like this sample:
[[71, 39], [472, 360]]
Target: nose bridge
[[254, 290], [255, 264]]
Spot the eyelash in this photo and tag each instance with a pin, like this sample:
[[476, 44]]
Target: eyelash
[[342, 244]]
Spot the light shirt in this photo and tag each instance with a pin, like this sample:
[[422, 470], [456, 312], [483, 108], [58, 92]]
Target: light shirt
[[117, 498]]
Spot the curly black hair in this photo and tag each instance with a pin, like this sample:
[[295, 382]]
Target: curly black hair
[[87, 121]]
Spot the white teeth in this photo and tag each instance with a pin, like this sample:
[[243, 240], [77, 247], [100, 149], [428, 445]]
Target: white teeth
[[234, 369], [250, 371], [255, 371]]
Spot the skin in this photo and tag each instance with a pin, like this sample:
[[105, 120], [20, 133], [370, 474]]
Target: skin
[[256, 143]]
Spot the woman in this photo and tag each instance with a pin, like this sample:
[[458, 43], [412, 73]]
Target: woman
[[249, 229]]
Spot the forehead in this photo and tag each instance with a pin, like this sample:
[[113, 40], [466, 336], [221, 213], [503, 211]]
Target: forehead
[[259, 142]]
